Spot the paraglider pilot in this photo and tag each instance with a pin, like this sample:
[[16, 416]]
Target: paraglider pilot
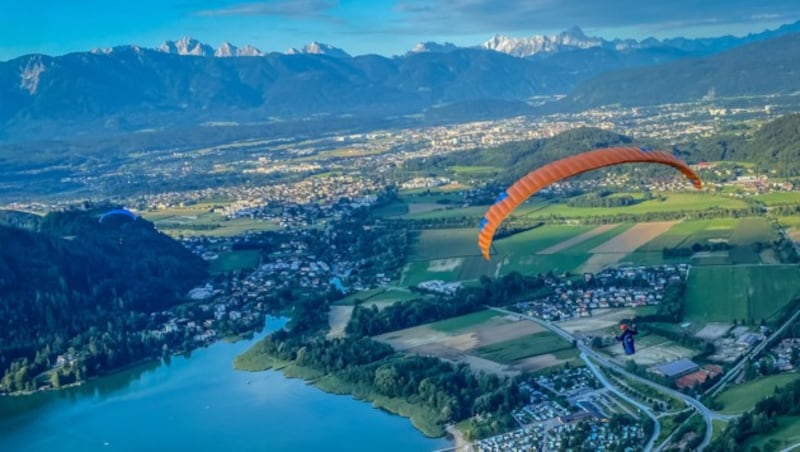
[[626, 337]]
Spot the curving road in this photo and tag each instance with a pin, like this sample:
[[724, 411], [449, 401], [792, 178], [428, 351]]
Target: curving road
[[602, 379], [708, 415]]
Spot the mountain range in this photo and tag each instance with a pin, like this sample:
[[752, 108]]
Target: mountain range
[[535, 45], [186, 83]]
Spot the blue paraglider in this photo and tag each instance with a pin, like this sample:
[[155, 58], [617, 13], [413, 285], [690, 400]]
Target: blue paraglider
[[124, 212], [626, 337]]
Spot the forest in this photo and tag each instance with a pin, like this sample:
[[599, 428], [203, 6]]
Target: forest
[[83, 290], [762, 419]]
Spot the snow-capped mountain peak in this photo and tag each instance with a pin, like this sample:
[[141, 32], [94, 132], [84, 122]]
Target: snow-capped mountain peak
[[433, 47], [522, 47], [191, 46], [318, 48]]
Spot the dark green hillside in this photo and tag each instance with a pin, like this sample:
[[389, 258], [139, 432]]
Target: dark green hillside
[[80, 282], [517, 158], [775, 145], [767, 67]]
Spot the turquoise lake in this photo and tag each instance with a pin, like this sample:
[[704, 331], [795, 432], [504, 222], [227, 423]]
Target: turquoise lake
[[200, 403]]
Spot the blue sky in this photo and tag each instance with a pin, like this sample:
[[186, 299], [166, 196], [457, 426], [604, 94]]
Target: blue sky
[[385, 27]]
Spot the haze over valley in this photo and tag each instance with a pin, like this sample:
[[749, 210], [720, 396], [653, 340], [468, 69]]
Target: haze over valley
[[313, 215]]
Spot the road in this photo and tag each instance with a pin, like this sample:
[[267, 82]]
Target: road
[[712, 391], [704, 411], [602, 379]]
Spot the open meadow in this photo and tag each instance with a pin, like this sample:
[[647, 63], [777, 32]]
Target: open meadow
[[723, 293], [486, 340], [777, 198], [199, 220], [673, 202], [747, 241], [744, 396], [453, 254]]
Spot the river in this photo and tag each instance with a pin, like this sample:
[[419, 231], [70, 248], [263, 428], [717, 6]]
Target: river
[[200, 403]]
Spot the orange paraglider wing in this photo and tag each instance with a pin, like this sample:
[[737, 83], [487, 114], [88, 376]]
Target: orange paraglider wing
[[564, 168]]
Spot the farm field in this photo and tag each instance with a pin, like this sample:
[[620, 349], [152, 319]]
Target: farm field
[[617, 248], [674, 202], [380, 296], [198, 221], [751, 292], [411, 203], [465, 321], [687, 233], [445, 243], [507, 352], [513, 344], [453, 254], [741, 234], [779, 197], [448, 270], [742, 397]]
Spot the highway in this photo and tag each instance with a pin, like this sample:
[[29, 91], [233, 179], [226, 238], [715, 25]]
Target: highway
[[704, 411], [602, 379], [747, 357]]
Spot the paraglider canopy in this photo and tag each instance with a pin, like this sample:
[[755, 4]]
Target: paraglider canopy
[[568, 167], [124, 212]]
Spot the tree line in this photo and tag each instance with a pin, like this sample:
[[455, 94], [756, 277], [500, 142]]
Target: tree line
[[84, 290], [763, 419]]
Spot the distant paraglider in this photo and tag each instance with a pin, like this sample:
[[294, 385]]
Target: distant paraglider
[[124, 212], [626, 337], [568, 167]]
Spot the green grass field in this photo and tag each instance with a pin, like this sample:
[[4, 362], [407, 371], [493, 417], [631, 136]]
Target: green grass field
[[790, 222], [752, 230], [379, 295], [512, 350], [444, 243], [751, 292], [234, 260], [691, 232], [449, 270], [779, 197], [432, 248], [674, 202], [744, 397], [519, 251], [198, 221], [537, 239], [454, 324], [787, 434], [475, 171], [742, 234]]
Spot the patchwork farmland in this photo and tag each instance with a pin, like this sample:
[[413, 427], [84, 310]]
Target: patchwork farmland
[[486, 340]]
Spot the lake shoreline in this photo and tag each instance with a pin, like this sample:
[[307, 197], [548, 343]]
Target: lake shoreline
[[418, 415]]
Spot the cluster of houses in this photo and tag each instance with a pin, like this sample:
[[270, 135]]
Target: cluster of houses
[[439, 286], [611, 288], [787, 354], [548, 424]]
